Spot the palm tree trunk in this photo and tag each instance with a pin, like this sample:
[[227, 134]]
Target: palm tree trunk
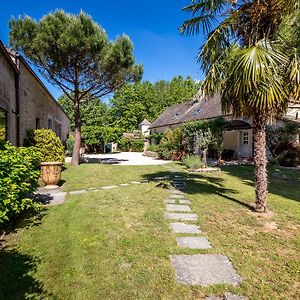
[[260, 161], [77, 119]]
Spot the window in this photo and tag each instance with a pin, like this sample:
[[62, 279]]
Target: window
[[245, 138], [49, 124], [175, 116], [37, 123], [3, 124], [58, 129], [197, 111]]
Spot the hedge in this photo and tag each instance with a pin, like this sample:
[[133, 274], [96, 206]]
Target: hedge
[[19, 174]]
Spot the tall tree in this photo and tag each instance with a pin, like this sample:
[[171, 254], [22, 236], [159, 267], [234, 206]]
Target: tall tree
[[134, 102], [73, 52], [92, 113], [243, 61]]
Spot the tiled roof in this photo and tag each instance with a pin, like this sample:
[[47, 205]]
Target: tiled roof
[[196, 109], [145, 122]]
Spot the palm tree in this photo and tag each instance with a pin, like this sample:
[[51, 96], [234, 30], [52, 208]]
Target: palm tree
[[243, 61]]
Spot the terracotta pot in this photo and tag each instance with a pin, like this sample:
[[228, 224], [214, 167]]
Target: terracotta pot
[[51, 172]]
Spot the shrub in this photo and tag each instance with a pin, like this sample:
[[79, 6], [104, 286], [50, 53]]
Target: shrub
[[193, 162], [70, 145], [288, 154], [153, 148], [19, 174], [124, 144], [96, 136], [47, 144], [164, 151], [137, 145]]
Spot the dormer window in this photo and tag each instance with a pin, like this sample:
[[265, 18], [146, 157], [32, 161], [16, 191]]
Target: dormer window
[[197, 111], [175, 116]]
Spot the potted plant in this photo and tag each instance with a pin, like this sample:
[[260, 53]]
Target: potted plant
[[52, 155]]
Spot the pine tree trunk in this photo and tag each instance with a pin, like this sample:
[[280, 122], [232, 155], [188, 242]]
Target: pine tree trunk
[[76, 149], [260, 161]]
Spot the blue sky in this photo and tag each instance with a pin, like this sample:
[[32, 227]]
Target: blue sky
[[151, 25]]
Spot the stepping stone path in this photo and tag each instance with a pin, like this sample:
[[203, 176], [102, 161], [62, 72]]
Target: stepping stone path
[[176, 207], [181, 217], [193, 242], [185, 228], [197, 269], [57, 196]]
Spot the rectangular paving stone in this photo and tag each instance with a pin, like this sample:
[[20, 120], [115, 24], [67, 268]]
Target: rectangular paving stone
[[181, 217], [176, 192], [109, 187], [170, 201], [78, 192], [124, 184], [204, 270], [176, 207], [183, 201], [135, 182], [176, 196], [184, 228], [193, 242]]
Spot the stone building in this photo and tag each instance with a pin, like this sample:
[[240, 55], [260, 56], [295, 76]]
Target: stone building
[[25, 102], [238, 137]]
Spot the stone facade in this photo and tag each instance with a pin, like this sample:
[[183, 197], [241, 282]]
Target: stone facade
[[26, 101]]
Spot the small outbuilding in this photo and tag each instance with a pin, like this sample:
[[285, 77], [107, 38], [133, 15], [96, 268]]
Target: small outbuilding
[[144, 127]]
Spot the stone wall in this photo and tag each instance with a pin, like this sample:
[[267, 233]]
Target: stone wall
[[38, 107], [8, 96]]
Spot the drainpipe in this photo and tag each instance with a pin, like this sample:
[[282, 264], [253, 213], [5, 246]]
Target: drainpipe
[[17, 80]]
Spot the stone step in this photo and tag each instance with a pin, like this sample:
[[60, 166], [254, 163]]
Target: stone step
[[204, 270]]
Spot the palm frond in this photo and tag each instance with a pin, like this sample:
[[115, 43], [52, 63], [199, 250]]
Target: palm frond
[[194, 25], [220, 39], [206, 6], [293, 76], [204, 14]]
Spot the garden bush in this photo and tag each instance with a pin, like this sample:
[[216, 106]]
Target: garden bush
[[153, 148], [47, 143], [70, 145], [137, 145], [19, 174], [288, 154], [193, 162]]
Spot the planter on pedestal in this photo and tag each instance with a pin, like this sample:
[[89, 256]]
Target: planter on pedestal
[[51, 173]]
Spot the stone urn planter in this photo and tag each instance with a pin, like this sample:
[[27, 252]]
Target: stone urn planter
[[51, 173]]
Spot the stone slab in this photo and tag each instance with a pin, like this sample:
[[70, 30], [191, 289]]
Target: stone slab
[[77, 192], [183, 201], [135, 182], [170, 201], [176, 192], [177, 196], [227, 296], [56, 198], [193, 242], [181, 217], [176, 207], [184, 228], [124, 184], [109, 187], [204, 270]]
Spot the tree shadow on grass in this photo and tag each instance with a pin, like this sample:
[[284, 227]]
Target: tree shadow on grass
[[200, 184], [16, 277], [26, 219], [289, 190]]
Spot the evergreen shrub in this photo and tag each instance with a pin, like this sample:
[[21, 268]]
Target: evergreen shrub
[[19, 174]]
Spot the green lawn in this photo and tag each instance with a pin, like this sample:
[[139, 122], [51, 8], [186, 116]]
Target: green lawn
[[115, 244]]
